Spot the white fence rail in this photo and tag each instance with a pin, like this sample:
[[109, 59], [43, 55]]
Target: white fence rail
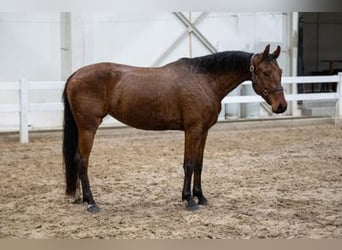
[[24, 107]]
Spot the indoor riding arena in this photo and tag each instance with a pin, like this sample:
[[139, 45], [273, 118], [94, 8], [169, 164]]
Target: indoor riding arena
[[261, 181], [271, 166]]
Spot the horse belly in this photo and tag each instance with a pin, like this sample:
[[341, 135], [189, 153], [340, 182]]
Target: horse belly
[[148, 114]]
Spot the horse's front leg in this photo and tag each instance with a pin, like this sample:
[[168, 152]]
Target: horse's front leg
[[193, 158], [197, 188]]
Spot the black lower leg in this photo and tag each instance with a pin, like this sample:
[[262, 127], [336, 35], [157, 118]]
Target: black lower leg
[[186, 193], [201, 199], [197, 189], [87, 195]]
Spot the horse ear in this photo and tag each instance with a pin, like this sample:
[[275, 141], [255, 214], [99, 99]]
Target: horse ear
[[266, 51], [276, 53]]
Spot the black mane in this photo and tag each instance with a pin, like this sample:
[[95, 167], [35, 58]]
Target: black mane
[[219, 62]]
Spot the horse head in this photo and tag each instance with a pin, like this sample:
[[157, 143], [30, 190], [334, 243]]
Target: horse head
[[266, 79]]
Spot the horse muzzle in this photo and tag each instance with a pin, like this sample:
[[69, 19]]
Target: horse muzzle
[[280, 108]]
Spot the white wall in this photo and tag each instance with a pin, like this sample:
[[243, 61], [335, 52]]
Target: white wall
[[136, 39], [139, 39], [31, 45]]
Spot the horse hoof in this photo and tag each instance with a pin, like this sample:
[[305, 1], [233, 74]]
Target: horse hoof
[[203, 202], [93, 208], [192, 206]]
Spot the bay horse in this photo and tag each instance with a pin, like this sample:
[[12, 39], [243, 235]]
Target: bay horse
[[183, 95]]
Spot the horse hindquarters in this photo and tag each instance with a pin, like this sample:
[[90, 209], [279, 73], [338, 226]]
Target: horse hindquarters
[[79, 133]]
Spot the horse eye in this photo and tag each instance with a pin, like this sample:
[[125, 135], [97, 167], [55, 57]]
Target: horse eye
[[267, 73]]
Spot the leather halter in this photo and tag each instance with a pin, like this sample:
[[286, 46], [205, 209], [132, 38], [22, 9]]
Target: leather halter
[[264, 91]]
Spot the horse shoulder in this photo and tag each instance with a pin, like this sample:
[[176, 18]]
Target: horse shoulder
[[200, 105]]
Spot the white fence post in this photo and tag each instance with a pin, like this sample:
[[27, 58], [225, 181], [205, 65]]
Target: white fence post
[[24, 109], [339, 99]]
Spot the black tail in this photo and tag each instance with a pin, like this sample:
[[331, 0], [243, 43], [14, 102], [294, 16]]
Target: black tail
[[70, 142]]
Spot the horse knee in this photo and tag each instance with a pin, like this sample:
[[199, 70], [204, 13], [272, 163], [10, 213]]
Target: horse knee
[[188, 168]]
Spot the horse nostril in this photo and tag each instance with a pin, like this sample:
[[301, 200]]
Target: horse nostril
[[281, 109]]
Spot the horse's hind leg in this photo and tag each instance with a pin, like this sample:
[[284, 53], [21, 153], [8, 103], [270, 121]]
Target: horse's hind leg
[[85, 143]]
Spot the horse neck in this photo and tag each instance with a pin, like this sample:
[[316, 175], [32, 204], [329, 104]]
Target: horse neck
[[225, 83]]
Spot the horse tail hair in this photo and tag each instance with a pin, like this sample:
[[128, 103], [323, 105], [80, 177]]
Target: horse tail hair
[[70, 144]]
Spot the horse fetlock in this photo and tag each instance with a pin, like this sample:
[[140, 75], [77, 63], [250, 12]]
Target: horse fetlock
[[86, 198], [201, 199], [186, 196]]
